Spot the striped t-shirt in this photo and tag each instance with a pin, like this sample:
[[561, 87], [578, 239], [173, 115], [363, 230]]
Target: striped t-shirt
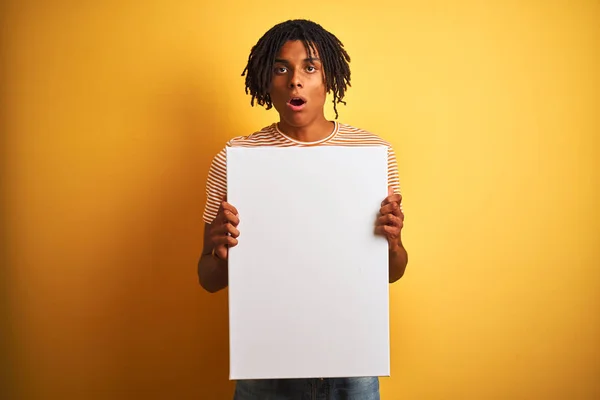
[[342, 135]]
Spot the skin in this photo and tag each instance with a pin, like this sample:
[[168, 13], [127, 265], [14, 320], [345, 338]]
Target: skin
[[295, 75]]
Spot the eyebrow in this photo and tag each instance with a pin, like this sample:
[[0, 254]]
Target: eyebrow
[[310, 59]]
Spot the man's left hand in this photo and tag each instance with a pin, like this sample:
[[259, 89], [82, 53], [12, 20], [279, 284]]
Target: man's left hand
[[391, 219]]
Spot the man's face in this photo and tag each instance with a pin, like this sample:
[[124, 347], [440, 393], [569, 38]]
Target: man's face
[[298, 87]]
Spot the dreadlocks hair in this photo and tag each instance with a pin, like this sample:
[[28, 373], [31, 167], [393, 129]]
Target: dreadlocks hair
[[330, 49]]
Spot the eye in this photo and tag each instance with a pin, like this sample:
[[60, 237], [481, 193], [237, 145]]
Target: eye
[[311, 68], [280, 70]]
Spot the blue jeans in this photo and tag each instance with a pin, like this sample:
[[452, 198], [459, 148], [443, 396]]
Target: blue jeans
[[308, 389]]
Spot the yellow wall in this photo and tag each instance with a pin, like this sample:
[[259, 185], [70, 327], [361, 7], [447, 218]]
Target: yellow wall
[[111, 113]]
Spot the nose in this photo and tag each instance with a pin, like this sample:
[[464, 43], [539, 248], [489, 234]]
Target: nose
[[295, 81]]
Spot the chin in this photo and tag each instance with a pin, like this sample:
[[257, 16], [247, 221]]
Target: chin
[[297, 120]]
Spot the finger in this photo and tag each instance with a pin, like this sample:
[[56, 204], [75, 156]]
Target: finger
[[389, 219], [233, 231], [390, 232], [230, 217], [226, 229], [223, 244], [228, 207], [391, 208], [394, 198], [228, 241], [221, 252]]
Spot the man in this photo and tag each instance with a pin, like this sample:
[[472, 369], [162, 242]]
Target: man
[[292, 68]]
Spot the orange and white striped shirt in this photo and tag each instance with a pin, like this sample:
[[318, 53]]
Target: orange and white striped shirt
[[342, 135]]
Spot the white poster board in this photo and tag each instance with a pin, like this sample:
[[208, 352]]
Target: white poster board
[[308, 280]]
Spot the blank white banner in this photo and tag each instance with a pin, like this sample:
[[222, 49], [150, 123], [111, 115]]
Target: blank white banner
[[308, 281]]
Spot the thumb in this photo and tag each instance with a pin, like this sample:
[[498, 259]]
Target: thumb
[[390, 190]]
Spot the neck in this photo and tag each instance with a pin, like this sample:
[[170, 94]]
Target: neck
[[313, 132]]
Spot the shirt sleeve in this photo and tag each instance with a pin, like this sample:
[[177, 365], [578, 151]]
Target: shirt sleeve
[[393, 176], [216, 186]]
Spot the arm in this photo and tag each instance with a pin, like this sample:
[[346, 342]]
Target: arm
[[398, 261], [390, 224], [219, 236], [212, 271]]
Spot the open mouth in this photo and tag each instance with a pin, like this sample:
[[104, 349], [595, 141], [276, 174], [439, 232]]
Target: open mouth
[[297, 101]]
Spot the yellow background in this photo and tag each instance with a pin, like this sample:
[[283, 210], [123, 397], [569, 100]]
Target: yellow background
[[111, 112]]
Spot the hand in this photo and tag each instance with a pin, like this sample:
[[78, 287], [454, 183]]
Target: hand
[[223, 231], [391, 219]]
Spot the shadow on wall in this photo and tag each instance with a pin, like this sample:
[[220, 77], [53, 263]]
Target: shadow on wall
[[7, 334], [191, 325], [173, 336]]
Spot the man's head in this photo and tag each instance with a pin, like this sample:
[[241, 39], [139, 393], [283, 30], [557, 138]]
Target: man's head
[[297, 58]]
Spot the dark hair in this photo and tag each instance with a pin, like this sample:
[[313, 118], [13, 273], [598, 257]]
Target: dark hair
[[331, 51]]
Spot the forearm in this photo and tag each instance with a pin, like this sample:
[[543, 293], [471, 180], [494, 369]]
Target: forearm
[[398, 258], [212, 273]]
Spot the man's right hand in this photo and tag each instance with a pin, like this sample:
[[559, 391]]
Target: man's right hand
[[223, 230]]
